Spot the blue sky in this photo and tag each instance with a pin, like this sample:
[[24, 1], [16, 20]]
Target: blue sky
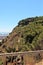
[[11, 11]]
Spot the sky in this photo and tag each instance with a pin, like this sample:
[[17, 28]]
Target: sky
[[12, 11]]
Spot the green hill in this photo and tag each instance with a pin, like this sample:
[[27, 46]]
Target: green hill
[[26, 36]]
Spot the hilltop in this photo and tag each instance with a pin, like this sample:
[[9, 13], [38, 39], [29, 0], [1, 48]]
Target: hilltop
[[26, 36]]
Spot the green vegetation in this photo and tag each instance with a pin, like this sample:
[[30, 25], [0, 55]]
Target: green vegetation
[[26, 36], [1, 62]]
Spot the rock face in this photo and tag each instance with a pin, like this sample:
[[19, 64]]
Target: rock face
[[26, 36]]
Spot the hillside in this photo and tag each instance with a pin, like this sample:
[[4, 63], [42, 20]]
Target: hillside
[[3, 35], [26, 36]]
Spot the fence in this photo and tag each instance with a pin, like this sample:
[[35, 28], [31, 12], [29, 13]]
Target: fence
[[22, 58]]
